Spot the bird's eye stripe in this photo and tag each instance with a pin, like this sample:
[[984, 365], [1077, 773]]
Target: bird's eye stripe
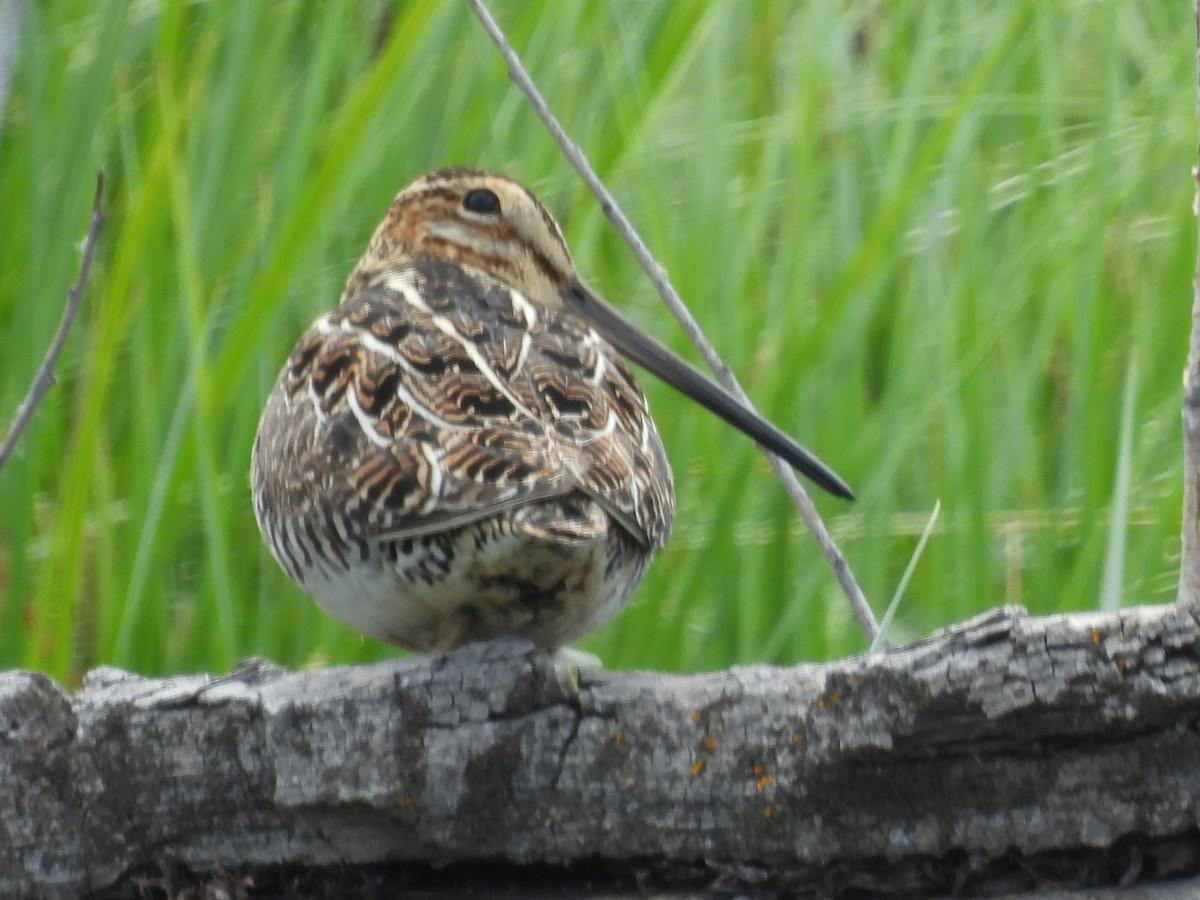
[[481, 200]]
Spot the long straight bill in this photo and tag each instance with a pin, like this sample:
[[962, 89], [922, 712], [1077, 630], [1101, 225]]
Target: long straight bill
[[675, 371]]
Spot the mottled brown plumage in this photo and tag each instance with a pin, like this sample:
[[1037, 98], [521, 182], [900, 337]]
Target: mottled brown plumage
[[458, 451]]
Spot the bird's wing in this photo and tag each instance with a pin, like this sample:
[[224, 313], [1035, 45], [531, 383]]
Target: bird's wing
[[436, 397]]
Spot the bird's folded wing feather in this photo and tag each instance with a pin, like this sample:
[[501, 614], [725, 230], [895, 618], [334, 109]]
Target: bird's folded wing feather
[[439, 397]]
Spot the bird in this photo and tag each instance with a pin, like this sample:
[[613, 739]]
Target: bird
[[459, 451]]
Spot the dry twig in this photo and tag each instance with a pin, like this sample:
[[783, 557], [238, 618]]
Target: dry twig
[[575, 155], [44, 379], [1189, 567], [10, 27]]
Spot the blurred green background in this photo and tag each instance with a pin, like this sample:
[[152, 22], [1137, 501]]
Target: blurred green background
[[933, 238]]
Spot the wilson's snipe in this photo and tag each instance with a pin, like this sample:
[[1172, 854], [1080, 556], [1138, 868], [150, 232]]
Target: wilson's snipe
[[459, 450]]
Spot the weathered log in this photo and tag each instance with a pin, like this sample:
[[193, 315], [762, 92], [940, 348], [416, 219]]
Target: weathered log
[[1005, 752]]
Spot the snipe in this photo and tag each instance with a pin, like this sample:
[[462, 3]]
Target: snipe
[[459, 450]]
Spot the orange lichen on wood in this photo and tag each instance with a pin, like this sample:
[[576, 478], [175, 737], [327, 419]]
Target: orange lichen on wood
[[832, 700]]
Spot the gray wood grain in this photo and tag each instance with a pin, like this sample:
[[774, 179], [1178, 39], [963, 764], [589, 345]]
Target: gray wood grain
[[995, 748]]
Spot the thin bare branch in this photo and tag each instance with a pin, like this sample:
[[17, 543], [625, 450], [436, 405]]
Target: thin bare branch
[[45, 379], [1189, 566], [10, 27], [575, 155]]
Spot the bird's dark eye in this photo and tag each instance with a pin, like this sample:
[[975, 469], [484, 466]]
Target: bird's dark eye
[[481, 200]]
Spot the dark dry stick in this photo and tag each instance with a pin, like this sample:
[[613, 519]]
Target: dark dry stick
[[10, 27], [44, 379], [1189, 564], [575, 155]]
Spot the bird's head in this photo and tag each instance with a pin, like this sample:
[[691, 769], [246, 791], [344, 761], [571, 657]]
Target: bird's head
[[479, 219]]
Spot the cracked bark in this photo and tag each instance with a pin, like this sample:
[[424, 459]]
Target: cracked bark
[[1004, 752]]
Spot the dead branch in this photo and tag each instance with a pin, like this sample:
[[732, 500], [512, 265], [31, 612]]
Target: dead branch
[[45, 378], [1189, 568], [658, 276], [1004, 753]]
